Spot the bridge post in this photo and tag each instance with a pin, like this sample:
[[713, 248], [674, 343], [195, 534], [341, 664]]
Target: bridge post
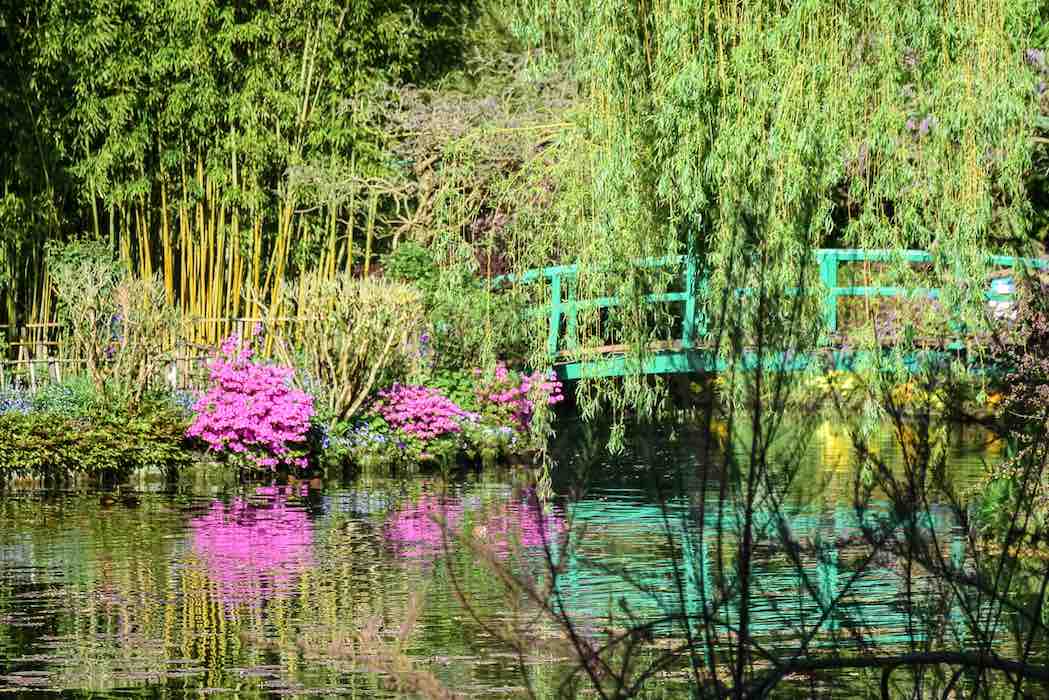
[[957, 616], [827, 583], [688, 324], [572, 311], [555, 317], [829, 278]]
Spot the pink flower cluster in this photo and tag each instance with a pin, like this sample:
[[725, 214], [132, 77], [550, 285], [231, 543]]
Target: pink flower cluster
[[250, 409], [421, 412], [514, 392]]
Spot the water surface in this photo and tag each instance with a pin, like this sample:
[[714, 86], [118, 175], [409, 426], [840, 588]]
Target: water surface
[[265, 591]]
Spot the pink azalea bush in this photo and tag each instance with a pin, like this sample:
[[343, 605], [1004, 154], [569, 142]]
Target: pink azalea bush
[[515, 394], [421, 412], [473, 414], [250, 410]]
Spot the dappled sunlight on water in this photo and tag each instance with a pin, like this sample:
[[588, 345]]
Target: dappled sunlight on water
[[265, 591]]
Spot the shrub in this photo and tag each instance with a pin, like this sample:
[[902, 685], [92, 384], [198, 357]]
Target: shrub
[[250, 412], [356, 335], [512, 396], [465, 414], [1021, 354], [459, 385], [410, 262], [115, 439], [14, 400], [421, 412], [120, 327], [73, 397], [471, 323], [369, 445]]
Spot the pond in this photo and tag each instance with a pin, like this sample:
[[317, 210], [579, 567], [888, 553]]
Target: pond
[[304, 590]]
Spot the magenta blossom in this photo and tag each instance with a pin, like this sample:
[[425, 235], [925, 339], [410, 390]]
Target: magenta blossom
[[421, 412], [517, 393], [251, 409]]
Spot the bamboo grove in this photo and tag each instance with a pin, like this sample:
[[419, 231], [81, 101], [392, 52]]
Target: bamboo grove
[[223, 147]]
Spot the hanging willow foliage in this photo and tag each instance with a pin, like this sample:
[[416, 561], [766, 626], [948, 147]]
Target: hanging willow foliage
[[750, 133]]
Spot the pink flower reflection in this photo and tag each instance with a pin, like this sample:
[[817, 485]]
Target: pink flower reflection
[[415, 528], [522, 524], [415, 531], [253, 552]]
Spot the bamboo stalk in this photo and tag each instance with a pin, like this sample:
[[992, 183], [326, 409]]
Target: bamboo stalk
[[188, 295], [233, 298], [165, 232]]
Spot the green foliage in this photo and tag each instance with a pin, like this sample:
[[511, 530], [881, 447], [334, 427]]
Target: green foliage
[[92, 441], [1040, 29], [473, 325], [200, 72], [121, 327], [459, 385], [410, 262], [356, 335], [176, 127], [75, 397], [749, 134]]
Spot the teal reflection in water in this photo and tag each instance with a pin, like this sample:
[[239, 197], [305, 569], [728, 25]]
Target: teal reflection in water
[[263, 593]]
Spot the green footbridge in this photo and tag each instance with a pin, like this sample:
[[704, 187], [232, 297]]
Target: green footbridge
[[692, 351]]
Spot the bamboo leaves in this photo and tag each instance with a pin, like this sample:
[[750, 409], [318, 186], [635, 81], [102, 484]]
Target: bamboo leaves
[[179, 122]]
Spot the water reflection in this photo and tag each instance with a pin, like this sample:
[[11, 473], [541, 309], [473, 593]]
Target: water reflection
[[425, 525], [261, 592], [253, 550], [417, 528], [520, 523]]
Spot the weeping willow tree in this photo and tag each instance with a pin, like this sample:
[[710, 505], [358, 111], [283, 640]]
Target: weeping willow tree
[[749, 134]]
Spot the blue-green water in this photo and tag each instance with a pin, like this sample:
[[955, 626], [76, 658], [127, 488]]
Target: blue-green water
[[307, 590]]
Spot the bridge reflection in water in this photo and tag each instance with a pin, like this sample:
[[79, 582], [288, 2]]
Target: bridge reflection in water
[[815, 572], [673, 575]]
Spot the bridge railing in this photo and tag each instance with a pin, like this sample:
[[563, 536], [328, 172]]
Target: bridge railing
[[830, 259], [564, 307]]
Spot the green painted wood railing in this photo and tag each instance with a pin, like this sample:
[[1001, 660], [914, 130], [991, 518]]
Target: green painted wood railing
[[564, 305]]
